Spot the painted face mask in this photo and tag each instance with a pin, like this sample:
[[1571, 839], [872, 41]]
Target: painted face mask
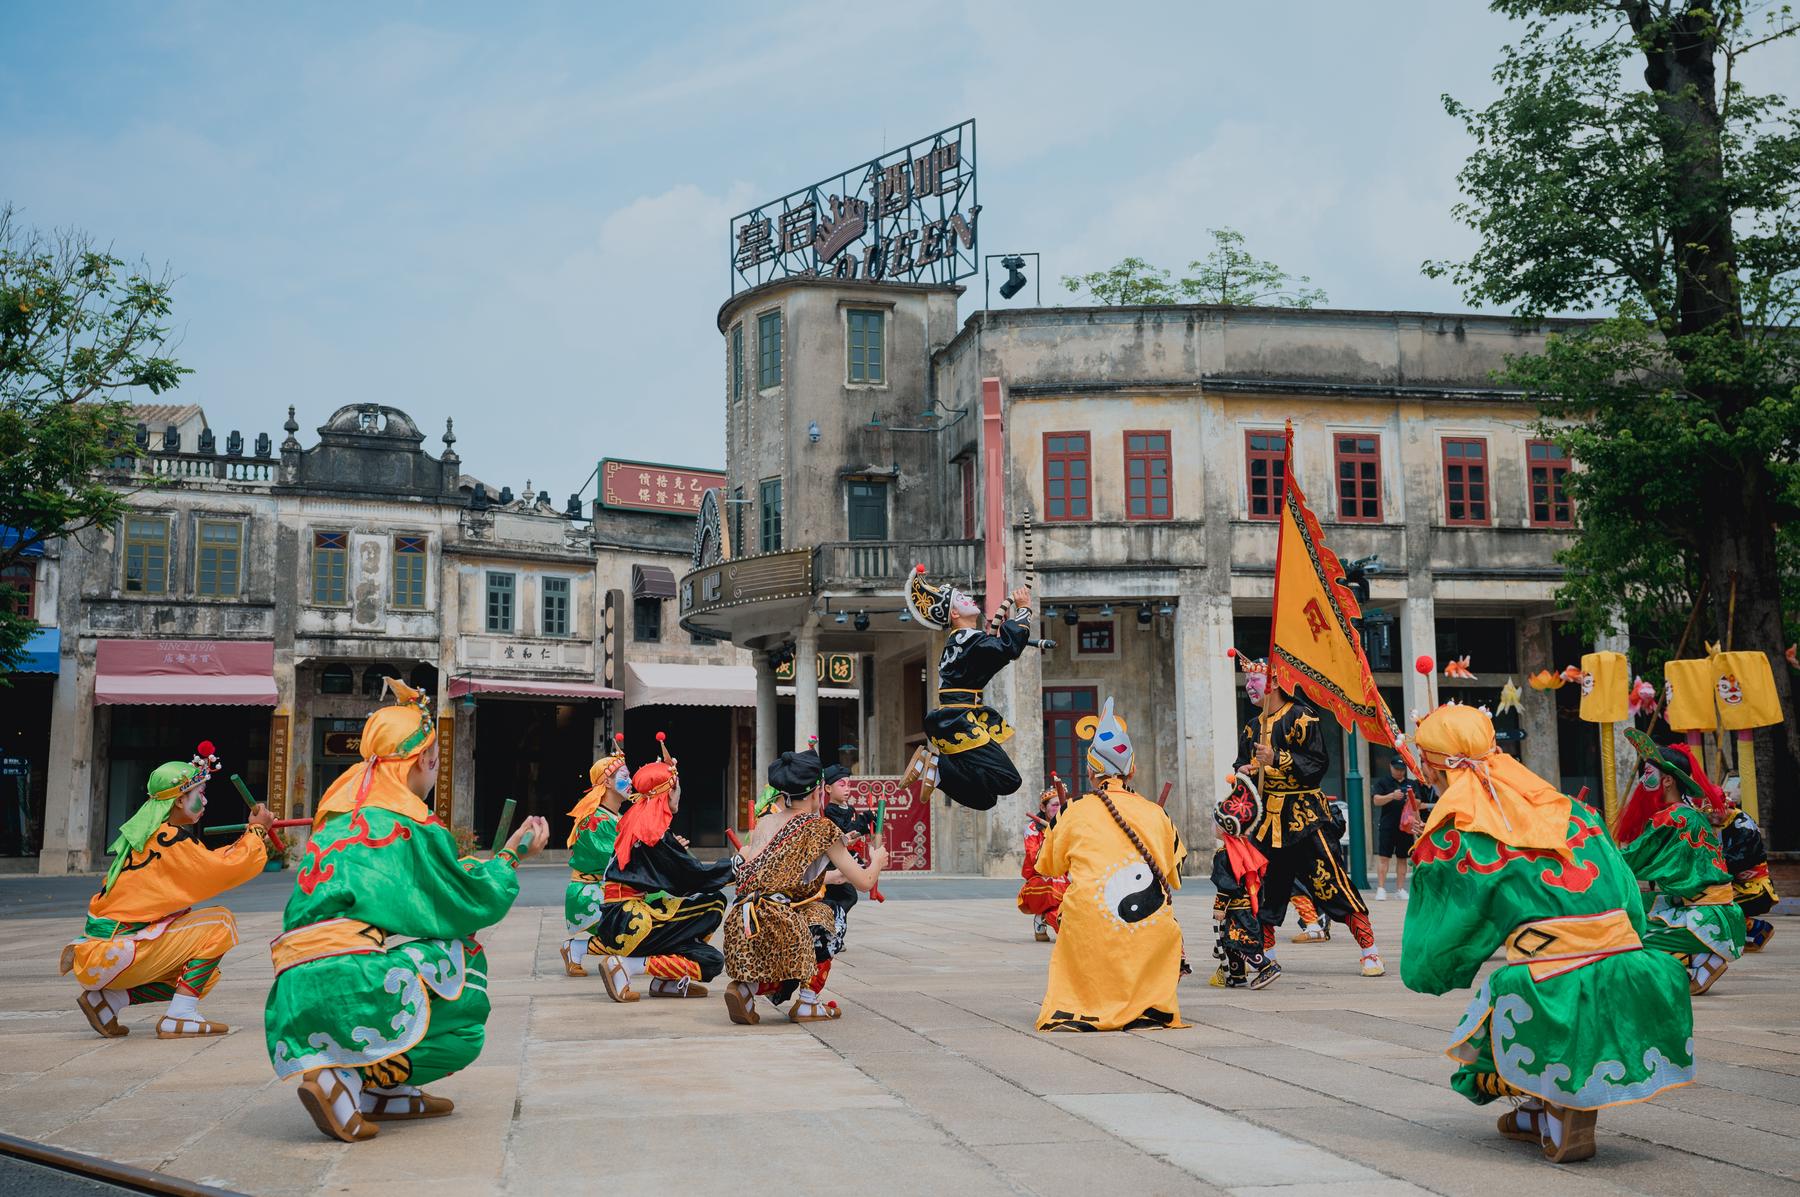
[[1653, 778], [622, 781], [1730, 692], [1255, 686], [194, 802]]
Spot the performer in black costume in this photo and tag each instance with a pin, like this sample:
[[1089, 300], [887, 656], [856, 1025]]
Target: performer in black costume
[[962, 754], [1284, 747]]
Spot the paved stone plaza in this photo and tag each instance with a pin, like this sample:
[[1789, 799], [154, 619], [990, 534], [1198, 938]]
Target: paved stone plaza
[[933, 1082]]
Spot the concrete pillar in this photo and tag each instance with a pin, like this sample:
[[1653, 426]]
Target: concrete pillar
[[806, 683], [1018, 694], [765, 713], [1537, 708], [69, 797], [1206, 711], [1418, 637]]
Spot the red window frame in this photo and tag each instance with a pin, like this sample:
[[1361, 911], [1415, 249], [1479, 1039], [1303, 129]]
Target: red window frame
[[1068, 477], [1468, 483], [1063, 752], [1545, 468], [1149, 475], [1357, 456], [22, 577], [1104, 646], [1264, 461]]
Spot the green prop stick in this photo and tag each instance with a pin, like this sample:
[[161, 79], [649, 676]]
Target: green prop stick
[[505, 827], [880, 816], [243, 791]]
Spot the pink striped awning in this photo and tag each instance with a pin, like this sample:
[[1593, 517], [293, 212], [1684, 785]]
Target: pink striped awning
[[532, 688], [185, 672]]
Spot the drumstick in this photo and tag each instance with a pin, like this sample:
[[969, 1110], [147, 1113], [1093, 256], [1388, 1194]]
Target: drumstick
[[505, 824]]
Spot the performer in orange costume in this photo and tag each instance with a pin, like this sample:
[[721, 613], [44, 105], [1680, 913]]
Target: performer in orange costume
[[1041, 897]]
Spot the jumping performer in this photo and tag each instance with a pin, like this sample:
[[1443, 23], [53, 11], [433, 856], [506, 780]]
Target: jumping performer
[[591, 841], [962, 754], [662, 906], [1579, 1017], [380, 985], [1669, 843], [1117, 961], [144, 941], [1283, 750]]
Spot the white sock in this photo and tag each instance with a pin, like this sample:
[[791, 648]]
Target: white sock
[[116, 1000], [576, 948], [184, 1005], [807, 995], [1313, 928], [1369, 951], [1553, 1128], [636, 967], [1269, 952], [372, 1094]]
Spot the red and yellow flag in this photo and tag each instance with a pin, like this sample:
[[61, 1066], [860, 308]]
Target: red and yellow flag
[[1314, 646]]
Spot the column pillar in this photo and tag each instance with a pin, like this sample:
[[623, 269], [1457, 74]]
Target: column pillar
[[69, 788], [1019, 697], [1206, 708], [1537, 708], [806, 683], [765, 714], [1418, 637]]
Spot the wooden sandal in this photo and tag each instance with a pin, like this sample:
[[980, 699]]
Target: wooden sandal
[[572, 966], [1568, 1134], [618, 981], [100, 1014], [1523, 1123], [188, 1028], [400, 1107], [333, 1107], [804, 1011], [740, 1003], [1704, 971]]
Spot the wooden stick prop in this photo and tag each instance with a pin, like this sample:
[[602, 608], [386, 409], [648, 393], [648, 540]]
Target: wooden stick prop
[[504, 828], [662, 744], [244, 792], [1162, 799], [737, 845]]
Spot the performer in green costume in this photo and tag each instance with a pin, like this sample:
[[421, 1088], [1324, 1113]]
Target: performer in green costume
[[1579, 1017], [364, 1019], [591, 842], [1670, 843]]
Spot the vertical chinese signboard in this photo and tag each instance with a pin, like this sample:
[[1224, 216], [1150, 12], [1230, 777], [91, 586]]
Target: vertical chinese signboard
[[905, 217], [747, 789], [907, 832], [276, 789], [446, 774]]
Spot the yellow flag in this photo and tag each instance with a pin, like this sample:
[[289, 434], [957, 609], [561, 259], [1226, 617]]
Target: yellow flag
[[1314, 646], [1605, 687]]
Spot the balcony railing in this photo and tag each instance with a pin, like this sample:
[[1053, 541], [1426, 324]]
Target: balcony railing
[[882, 565], [197, 467]]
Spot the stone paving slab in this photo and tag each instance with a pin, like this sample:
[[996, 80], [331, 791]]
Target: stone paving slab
[[1327, 1083]]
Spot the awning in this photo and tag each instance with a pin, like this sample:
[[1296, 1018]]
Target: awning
[[42, 652], [673, 685], [530, 687], [185, 672], [652, 582], [12, 536]]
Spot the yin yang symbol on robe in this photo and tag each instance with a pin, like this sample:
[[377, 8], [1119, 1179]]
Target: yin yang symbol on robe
[[1132, 894]]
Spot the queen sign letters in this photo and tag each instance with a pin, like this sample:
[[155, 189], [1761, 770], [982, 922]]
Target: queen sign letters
[[905, 217]]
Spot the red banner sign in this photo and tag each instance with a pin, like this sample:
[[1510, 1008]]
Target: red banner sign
[[907, 831], [643, 486]]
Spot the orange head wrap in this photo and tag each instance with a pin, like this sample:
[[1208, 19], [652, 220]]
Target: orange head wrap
[[600, 778], [1487, 791], [391, 739]]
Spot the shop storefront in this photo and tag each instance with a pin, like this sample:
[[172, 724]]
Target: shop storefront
[[25, 744], [532, 741]]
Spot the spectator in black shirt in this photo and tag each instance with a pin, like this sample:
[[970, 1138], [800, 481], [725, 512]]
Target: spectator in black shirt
[[1392, 845]]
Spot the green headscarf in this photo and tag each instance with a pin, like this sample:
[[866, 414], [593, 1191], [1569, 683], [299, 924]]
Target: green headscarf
[[173, 778], [766, 799]]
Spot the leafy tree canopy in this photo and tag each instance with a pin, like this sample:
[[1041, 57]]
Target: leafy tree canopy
[[1229, 275]]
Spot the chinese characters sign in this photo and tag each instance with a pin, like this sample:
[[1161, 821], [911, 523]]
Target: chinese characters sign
[[905, 217], [907, 830], [839, 669], [277, 789], [641, 486]]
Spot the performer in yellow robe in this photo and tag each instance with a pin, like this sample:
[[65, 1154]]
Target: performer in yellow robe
[[1117, 959], [144, 941]]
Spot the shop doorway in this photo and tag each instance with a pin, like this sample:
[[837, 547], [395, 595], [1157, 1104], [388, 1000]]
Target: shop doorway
[[536, 753], [143, 737]]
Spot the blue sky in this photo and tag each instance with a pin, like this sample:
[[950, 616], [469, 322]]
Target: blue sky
[[516, 214]]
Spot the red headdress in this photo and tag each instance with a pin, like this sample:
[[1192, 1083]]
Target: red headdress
[[649, 818]]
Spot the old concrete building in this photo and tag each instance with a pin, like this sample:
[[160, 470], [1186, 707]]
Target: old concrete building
[[1133, 454]]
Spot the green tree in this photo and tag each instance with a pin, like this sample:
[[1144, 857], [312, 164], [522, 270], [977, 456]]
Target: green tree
[[1132, 281], [1668, 209], [1230, 275], [1227, 275], [78, 330]]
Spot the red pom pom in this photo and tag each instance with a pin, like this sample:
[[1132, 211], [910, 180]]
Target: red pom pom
[[919, 568], [1232, 653], [618, 737], [660, 737], [206, 748], [1424, 664]]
